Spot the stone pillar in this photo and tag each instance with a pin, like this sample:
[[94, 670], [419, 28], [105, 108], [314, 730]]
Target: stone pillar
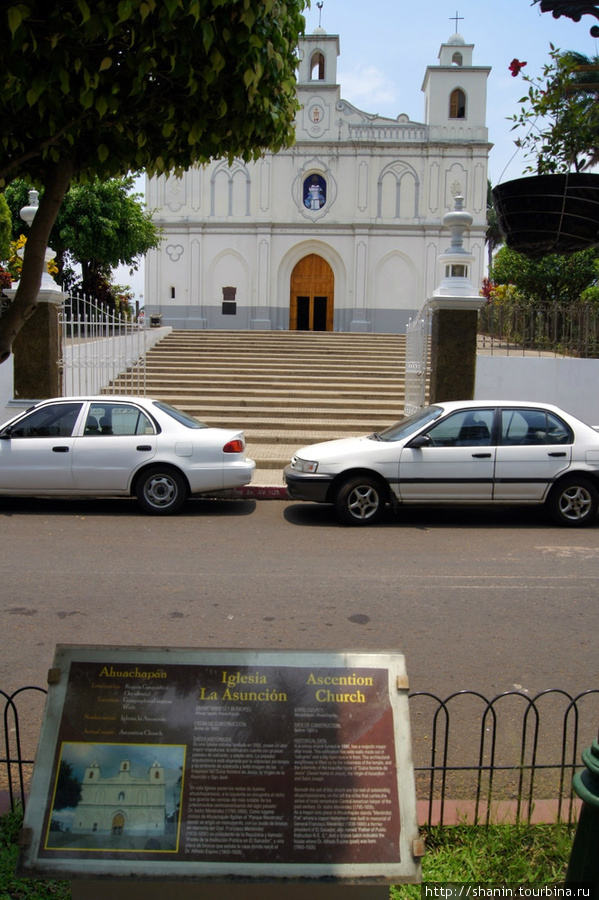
[[453, 354], [37, 353], [454, 306]]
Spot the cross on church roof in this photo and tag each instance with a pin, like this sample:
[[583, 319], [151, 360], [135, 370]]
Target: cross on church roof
[[320, 5], [457, 19]]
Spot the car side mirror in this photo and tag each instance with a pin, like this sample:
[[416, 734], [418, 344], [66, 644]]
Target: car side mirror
[[420, 441], [6, 434]]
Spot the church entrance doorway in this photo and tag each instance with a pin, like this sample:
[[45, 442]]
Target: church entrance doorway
[[118, 824], [312, 294]]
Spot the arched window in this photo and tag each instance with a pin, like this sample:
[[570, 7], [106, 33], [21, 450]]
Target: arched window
[[457, 104], [457, 59], [315, 192], [317, 67]]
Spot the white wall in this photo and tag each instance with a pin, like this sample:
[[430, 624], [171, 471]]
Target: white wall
[[572, 384]]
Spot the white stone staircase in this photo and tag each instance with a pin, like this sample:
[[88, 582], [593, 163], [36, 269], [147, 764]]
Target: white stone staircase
[[285, 389]]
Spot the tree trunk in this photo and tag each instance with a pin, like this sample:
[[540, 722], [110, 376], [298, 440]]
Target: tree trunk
[[24, 303]]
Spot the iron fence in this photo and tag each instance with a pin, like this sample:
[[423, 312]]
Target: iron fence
[[418, 361], [476, 760], [549, 329], [99, 345]]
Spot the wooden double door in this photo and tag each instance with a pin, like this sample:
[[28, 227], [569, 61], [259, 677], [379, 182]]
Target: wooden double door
[[312, 295]]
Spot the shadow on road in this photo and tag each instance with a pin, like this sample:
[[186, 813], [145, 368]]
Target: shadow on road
[[122, 507], [316, 514]]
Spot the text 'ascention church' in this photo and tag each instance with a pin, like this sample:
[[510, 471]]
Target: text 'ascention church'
[[342, 231]]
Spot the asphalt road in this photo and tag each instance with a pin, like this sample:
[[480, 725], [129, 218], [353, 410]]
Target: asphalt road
[[486, 600]]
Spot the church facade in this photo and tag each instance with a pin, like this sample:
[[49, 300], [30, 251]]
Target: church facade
[[340, 232], [121, 803]]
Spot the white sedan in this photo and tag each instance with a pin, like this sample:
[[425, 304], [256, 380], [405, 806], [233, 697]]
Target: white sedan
[[457, 453], [109, 445]]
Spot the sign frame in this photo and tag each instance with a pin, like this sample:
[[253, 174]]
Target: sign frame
[[347, 769]]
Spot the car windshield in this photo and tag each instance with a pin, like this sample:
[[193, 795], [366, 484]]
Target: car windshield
[[409, 425], [179, 416]]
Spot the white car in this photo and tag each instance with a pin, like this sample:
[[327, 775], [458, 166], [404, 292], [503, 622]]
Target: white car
[[110, 445], [456, 453]]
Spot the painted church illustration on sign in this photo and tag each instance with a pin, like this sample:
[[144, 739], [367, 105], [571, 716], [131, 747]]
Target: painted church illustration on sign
[[342, 231], [122, 803]]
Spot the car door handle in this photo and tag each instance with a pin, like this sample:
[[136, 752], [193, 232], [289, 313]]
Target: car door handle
[[481, 455], [557, 454], [60, 449], [143, 447]]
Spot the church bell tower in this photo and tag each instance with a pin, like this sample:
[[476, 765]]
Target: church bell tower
[[456, 94]]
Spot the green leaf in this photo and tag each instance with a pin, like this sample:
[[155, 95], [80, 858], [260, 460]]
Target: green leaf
[[124, 10], [207, 34], [16, 14], [105, 64], [103, 152], [87, 99], [84, 10], [101, 106]]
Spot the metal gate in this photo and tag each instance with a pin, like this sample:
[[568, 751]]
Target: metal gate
[[417, 360], [99, 346]]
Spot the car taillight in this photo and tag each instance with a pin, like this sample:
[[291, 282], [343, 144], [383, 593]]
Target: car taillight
[[235, 446]]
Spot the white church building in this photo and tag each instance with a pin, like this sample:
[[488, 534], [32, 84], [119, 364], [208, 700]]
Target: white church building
[[342, 231], [121, 803]]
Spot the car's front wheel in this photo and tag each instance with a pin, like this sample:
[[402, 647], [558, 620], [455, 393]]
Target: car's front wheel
[[574, 502], [360, 501], [161, 490]]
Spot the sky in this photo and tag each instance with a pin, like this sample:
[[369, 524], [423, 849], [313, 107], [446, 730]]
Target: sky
[[386, 45]]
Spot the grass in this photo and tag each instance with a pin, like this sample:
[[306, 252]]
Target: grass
[[13, 888], [500, 854]]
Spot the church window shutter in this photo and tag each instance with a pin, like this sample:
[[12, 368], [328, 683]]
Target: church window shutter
[[457, 104], [317, 67]]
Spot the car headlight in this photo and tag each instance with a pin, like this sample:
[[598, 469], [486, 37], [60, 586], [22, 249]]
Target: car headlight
[[304, 465]]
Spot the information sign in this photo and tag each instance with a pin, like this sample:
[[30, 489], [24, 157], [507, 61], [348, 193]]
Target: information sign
[[212, 764]]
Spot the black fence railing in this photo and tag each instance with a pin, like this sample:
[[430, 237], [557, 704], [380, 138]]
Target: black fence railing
[[505, 759], [552, 328]]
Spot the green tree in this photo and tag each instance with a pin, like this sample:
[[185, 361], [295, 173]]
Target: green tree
[[552, 279], [99, 90], [493, 235], [560, 114], [5, 228], [68, 788], [100, 225]]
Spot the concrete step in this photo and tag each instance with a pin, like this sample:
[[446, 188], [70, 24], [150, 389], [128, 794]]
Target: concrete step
[[291, 425], [290, 367], [285, 390], [276, 438], [201, 392], [313, 338], [325, 405]]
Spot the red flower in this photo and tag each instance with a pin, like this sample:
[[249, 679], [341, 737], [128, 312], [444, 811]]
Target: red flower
[[515, 67]]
